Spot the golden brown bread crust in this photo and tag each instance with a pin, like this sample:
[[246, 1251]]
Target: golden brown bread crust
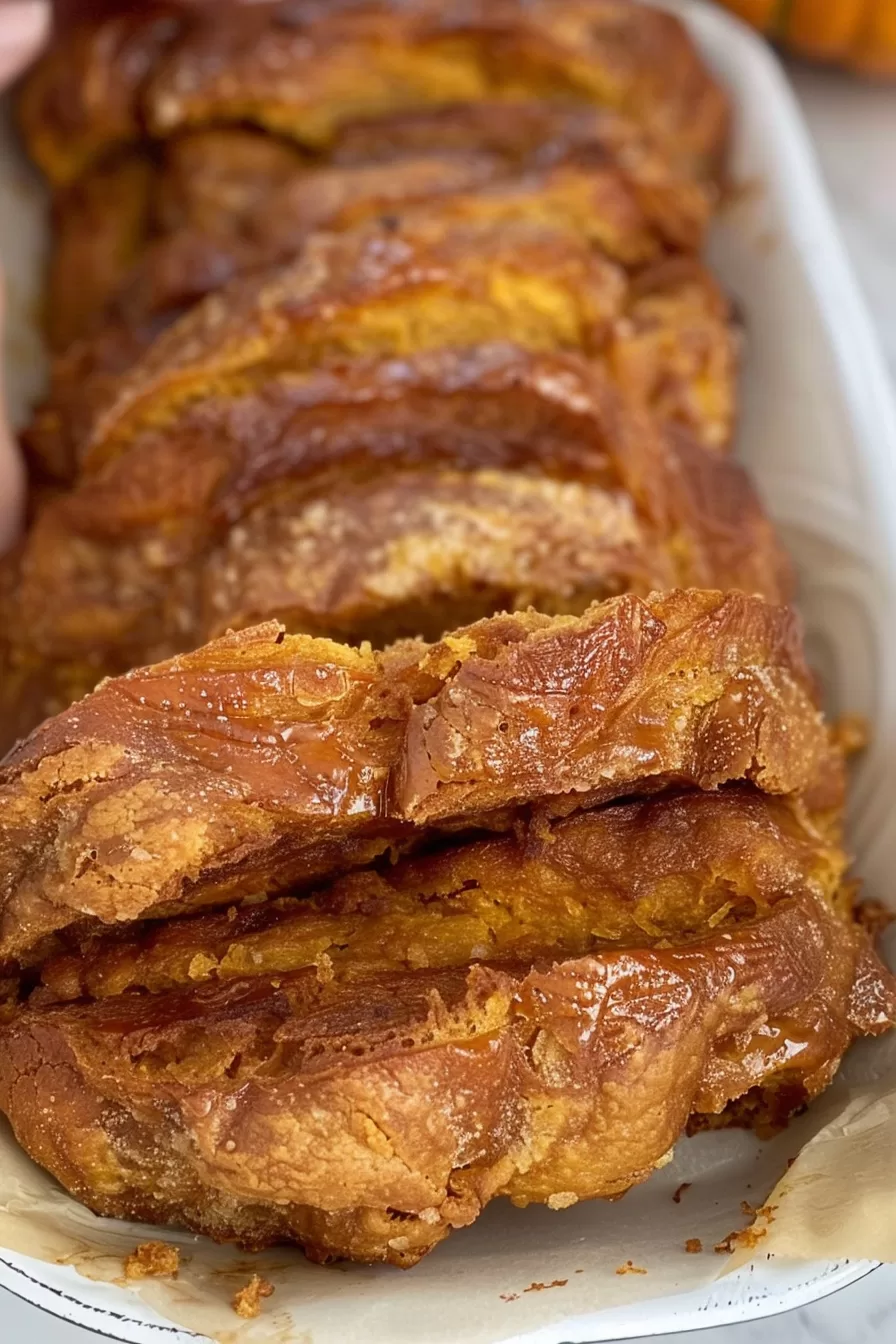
[[527, 136], [673, 866], [99, 228], [217, 179], [304, 69], [420, 553], [81, 99], [593, 201], [539, 483], [263, 760], [375, 291], [231, 199], [300, 1106], [303, 73], [226, 201], [384, 291], [721, 692]]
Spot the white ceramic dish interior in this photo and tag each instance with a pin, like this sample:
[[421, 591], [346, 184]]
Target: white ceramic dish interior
[[819, 434]]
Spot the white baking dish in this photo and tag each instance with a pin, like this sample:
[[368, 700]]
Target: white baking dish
[[819, 433]]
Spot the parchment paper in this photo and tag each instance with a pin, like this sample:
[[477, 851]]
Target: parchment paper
[[515, 1271]]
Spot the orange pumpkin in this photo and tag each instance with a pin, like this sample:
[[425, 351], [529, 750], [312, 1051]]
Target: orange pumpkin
[[859, 33]]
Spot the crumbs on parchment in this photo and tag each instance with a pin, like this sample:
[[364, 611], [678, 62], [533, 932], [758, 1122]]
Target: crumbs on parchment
[[247, 1301], [153, 1260], [693, 1245], [539, 1287], [630, 1268], [685, 1185], [748, 1237]]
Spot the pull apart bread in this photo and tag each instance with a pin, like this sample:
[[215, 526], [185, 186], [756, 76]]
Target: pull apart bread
[[608, 895], [562, 120], [385, 498], [225, 201], [303, 69], [517, 264]]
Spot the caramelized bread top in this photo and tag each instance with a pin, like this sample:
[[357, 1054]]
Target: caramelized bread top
[[302, 70], [380, 290], [368, 1117], [539, 481], [670, 867], [399, 289], [263, 759]]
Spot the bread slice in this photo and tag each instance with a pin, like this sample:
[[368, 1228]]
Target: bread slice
[[382, 293], [592, 200], [532, 135], [536, 480], [670, 867], [419, 553], [263, 760], [306, 75], [371, 292], [229, 200], [302, 70], [366, 1117]]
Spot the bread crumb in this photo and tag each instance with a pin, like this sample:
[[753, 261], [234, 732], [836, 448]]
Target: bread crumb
[[629, 1268], [563, 1199], [323, 964], [539, 1287], [508, 1297], [693, 1245], [247, 1301], [685, 1185], [746, 1239], [153, 1260]]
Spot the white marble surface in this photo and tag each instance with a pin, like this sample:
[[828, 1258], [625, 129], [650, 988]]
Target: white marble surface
[[855, 130]]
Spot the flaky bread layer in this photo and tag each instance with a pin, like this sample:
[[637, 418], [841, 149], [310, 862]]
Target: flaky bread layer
[[303, 71], [386, 498], [671, 867], [263, 760], [367, 1118]]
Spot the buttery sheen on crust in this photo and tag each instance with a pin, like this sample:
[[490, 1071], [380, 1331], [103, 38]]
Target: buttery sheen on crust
[[369, 292], [672, 866], [458, 483], [367, 1118], [397, 289], [594, 200], [227, 200], [302, 70], [263, 760]]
